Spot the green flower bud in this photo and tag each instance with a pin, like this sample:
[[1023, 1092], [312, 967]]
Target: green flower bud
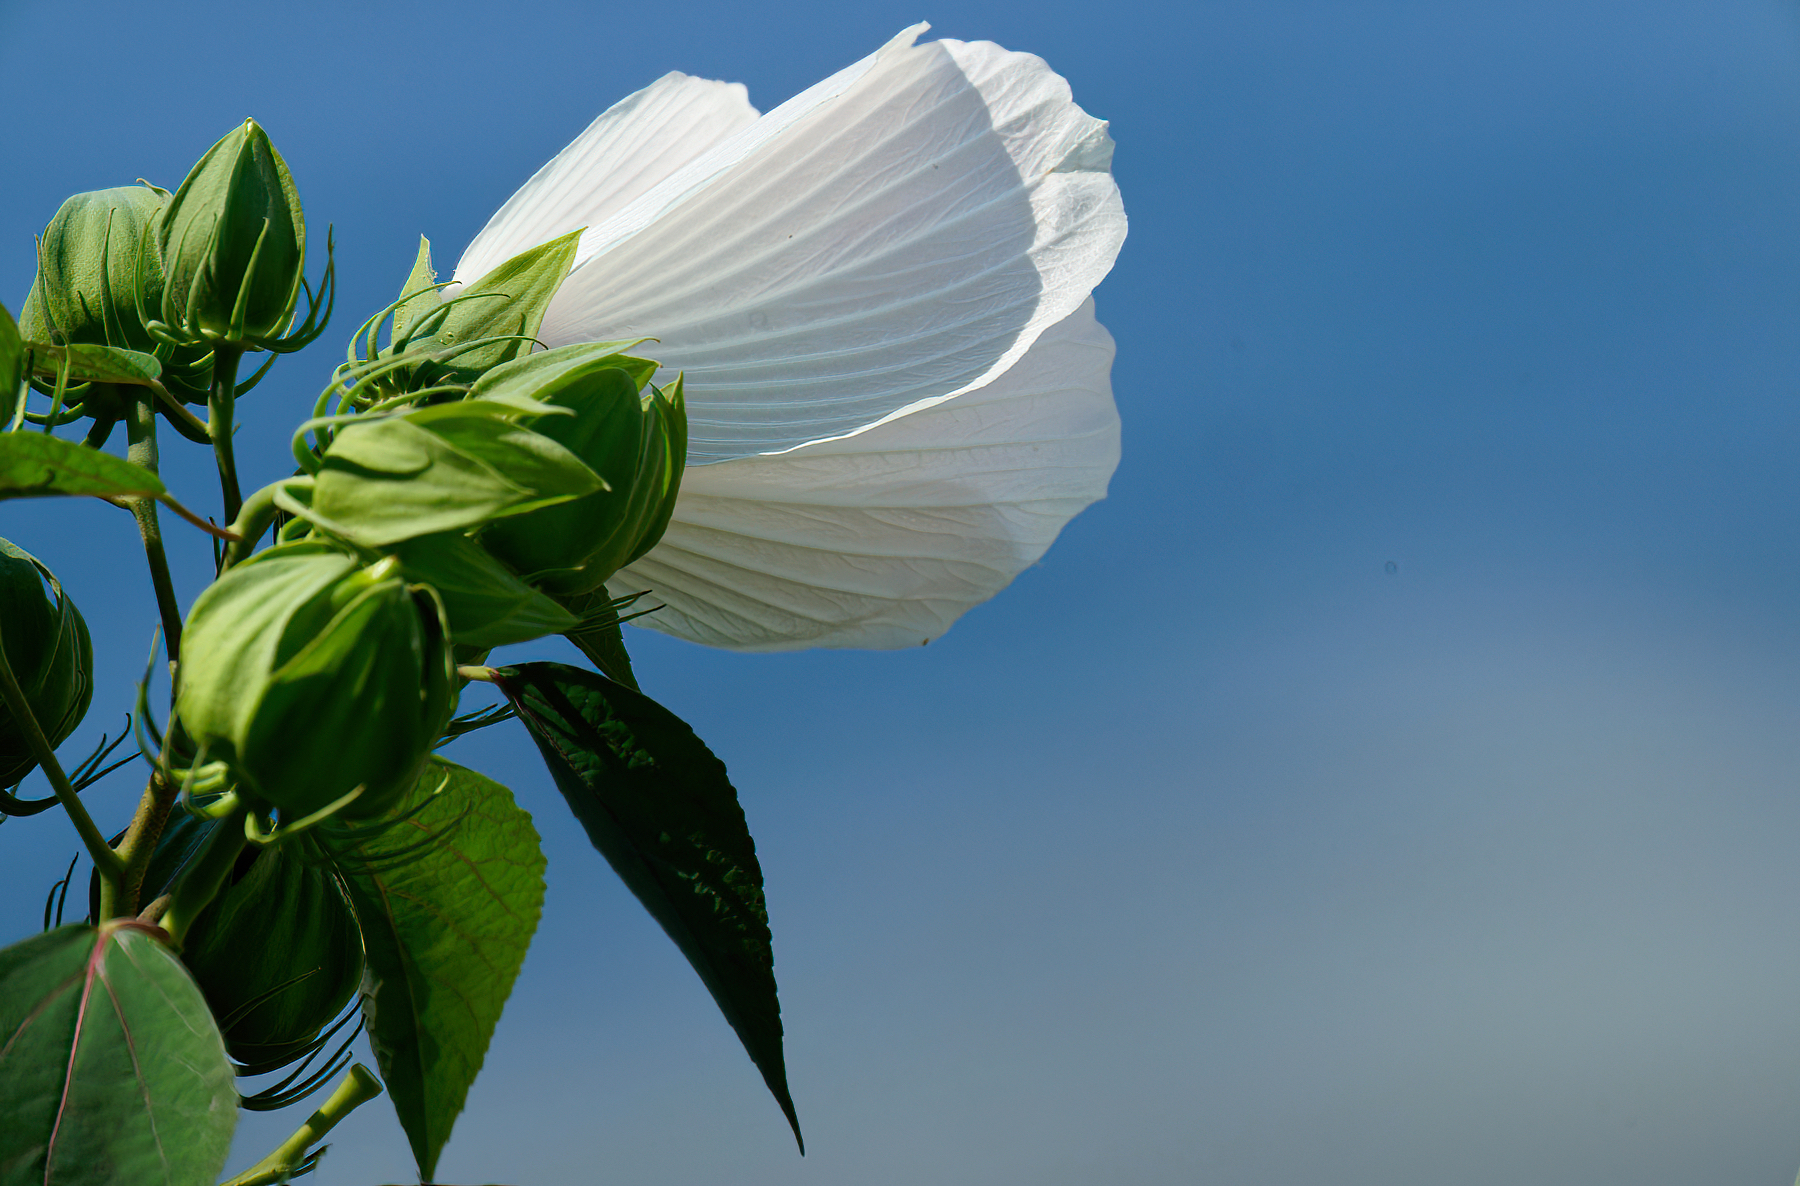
[[277, 954], [311, 676], [233, 244], [97, 266], [636, 443], [13, 360], [48, 649]]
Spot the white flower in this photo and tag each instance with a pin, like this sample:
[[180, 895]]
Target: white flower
[[897, 391]]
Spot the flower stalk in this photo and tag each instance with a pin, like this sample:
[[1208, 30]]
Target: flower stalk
[[140, 430], [220, 403], [358, 1087]]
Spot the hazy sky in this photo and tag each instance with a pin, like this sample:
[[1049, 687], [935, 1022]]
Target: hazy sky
[[1393, 781]]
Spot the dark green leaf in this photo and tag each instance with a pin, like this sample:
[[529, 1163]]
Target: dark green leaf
[[34, 464], [96, 364], [659, 807], [448, 888], [111, 1069]]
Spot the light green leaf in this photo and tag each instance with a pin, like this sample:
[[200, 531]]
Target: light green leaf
[[661, 810], [111, 1068], [35, 464], [510, 300], [97, 364], [448, 888], [417, 294], [551, 370], [487, 605], [392, 479]]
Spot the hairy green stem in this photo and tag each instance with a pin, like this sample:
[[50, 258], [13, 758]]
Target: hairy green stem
[[140, 430], [104, 858], [138, 845], [205, 875], [358, 1088], [219, 405]]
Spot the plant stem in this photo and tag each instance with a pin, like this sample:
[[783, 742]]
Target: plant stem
[[253, 519], [104, 858], [139, 843], [219, 405], [358, 1088], [205, 874], [140, 430]]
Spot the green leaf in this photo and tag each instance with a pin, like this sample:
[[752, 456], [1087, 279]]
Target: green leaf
[[487, 605], [509, 300], [552, 370], [35, 464], [417, 295], [448, 888], [391, 479], [111, 1068], [97, 364], [659, 807], [599, 636]]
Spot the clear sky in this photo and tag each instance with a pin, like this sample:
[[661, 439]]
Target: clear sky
[[1393, 781]]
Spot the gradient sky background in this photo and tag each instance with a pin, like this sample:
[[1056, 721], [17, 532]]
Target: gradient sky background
[[1393, 781]]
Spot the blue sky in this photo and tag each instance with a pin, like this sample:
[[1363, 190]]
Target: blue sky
[[1391, 781]]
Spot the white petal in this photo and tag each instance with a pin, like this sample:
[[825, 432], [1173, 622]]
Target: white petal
[[889, 238], [630, 147], [885, 538]]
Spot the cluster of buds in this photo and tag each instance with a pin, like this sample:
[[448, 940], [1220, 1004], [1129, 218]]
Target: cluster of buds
[[217, 264], [469, 492]]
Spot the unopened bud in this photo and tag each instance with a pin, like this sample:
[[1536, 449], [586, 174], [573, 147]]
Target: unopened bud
[[637, 443], [97, 267], [233, 243], [312, 677], [48, 650], [277, 954]]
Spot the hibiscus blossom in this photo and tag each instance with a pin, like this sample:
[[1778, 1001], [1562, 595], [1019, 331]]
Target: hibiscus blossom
[[879, 293]]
